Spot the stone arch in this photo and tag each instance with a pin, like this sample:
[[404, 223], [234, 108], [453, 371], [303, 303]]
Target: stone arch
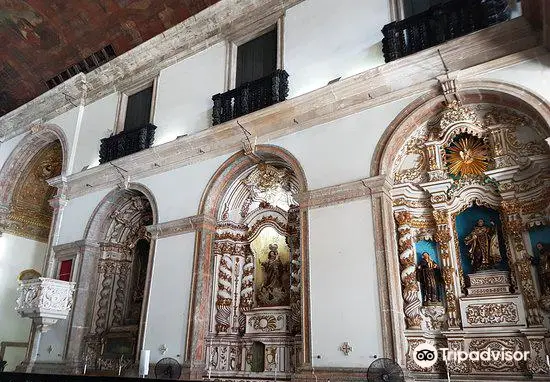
[[407, 211], [213, 209], [37, 139], [23, 212], [114, 235], [471, 91]]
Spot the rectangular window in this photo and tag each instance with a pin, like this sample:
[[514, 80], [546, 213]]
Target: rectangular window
[[414, 7], [138, 109], [65, 270], [257, 58]]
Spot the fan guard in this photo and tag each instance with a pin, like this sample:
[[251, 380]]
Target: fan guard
[[385, 370], [168, 368]]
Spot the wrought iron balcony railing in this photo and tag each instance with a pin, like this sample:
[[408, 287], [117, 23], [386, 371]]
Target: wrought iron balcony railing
[[126, 143], [250, 96], [441, 23]]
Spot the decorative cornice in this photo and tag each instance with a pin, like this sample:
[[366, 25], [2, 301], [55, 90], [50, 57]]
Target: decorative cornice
[[181, 226], [341, 193], [224, 20], [68, 249], [348, 96]]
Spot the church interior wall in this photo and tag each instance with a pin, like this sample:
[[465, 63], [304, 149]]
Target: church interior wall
[[342, 260], [340, 151], [315, 54], [178, 192], [16, 254], [97, 122], [68, 122], [185, 90], [169, 299], [78, 211], [533, 74]]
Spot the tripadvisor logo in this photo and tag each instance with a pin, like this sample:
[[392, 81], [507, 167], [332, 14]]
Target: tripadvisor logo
[[426, 355]]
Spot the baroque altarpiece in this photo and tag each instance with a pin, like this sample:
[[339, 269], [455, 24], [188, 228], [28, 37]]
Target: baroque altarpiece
[[255, 328], [471, 196]]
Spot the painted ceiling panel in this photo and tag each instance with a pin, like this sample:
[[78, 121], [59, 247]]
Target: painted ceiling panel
[[41, 38]]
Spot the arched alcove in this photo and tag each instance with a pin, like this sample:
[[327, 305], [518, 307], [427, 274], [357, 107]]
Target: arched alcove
[[118, 279], [251, 283], [24, 191], [470, 175]]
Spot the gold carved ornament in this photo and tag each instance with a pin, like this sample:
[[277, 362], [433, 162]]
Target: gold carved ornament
[[31, 213], [467, 156]]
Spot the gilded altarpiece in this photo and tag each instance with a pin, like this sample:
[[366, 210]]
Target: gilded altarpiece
[[470, 192], [255, 326]]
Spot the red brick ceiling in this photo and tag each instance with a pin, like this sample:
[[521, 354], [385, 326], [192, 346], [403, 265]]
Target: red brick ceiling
[[41, 38]]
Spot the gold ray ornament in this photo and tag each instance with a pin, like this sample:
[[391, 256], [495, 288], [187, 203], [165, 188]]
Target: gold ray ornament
[[467, 156]]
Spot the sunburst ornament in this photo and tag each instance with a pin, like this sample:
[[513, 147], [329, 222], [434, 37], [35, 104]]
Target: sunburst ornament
[[467, 156]]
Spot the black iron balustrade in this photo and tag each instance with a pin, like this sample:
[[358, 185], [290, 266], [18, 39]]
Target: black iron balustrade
[[250, 96], [441, 23], [126, 143]]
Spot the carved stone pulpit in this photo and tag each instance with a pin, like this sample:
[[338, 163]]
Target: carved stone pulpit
[[45, 301]]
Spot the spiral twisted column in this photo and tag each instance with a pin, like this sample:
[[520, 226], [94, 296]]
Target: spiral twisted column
[[520, 261], [443, 238], [293, 241], [247, 288], [409, 285], [223, 298]]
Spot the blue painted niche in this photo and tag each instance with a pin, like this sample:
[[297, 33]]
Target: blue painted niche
[[430, 247], [539, 235], [466, 221]]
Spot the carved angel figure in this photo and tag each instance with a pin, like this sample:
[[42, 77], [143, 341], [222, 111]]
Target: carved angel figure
[[483, 248]]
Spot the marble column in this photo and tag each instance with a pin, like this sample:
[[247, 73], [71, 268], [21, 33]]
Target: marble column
[[201, 297], [448, 269], [58, 204]]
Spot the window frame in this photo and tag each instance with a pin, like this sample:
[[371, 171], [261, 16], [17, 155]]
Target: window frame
[[128, 91], [233, 42]]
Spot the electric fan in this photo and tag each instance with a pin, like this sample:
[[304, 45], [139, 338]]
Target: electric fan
[[168, 368], [385, 370]]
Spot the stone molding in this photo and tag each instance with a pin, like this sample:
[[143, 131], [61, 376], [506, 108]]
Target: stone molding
[[181, 226], [322, 197], [70, 249], [348, 96], [341, 193]]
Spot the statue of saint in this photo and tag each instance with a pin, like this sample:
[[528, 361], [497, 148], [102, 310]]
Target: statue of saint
[[427, 273], [274, 290], [543, 268], [483, 248]]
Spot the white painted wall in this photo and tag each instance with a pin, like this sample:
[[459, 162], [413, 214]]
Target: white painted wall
[[178, 192], [169, 299], [76, 215], [7, 147], [344, 293], [185, 90], [323, 41], [68, 123], [533, 74], [16, 254], [98, 121], [341, 151]]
